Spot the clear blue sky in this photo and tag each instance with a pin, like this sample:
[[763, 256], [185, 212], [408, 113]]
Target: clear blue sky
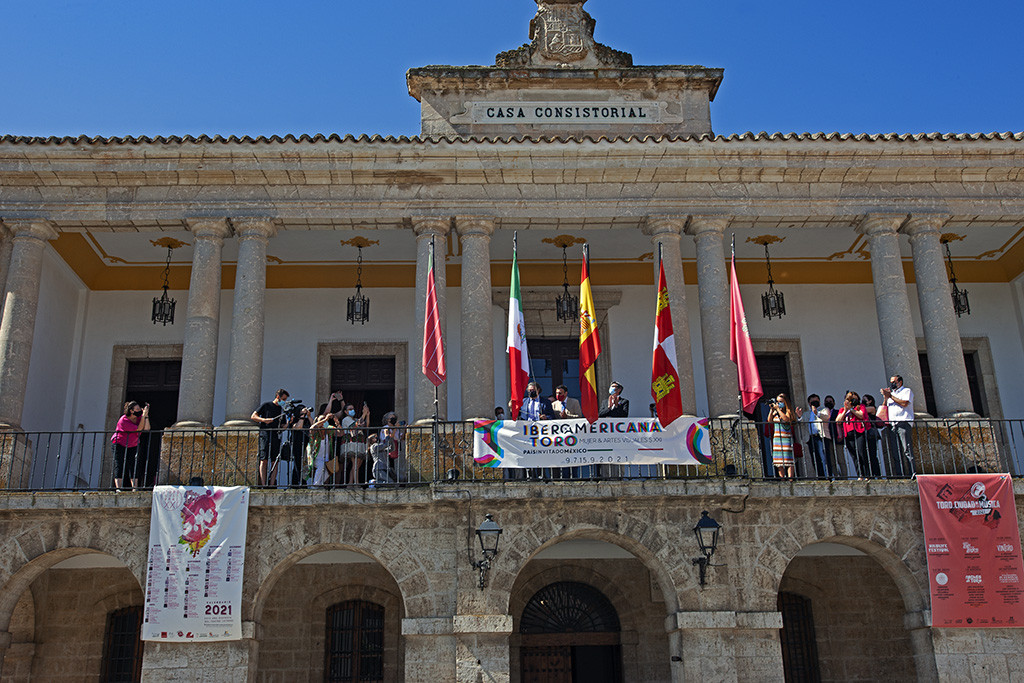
[[255, 67]]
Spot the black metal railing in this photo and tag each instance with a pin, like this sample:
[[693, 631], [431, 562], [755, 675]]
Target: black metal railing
[[443, 452]]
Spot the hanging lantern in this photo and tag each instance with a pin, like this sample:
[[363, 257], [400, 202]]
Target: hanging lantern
[[358, 305], [567, 306], [961, 306], [773, 304], [163, 307]]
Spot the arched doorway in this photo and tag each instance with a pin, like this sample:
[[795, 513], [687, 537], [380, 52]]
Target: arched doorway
[[570, 634], [842, 618]]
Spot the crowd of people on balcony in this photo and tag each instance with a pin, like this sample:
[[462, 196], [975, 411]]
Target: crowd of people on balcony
[[336, 445], [852, 441]]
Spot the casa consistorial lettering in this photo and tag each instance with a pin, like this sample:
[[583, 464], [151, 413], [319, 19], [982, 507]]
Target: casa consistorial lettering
[[566, 112]]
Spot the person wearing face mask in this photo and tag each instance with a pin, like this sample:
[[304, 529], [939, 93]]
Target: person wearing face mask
[[835, 454], [271, 418], [899, 409], [566, 407], [535, 407], [126, 443], [815, 440], [354, 441], [616, 405]]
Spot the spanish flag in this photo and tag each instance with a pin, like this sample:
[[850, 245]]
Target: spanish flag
[[590, 344]]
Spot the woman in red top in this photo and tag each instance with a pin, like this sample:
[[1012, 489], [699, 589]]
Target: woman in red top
[[854, 423], [126, 443]]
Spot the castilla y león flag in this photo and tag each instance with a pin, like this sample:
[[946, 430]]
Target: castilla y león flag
[[433, 341], [668, 399], [741, 350], [590, 344]]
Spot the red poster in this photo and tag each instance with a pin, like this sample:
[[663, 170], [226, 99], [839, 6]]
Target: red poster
[[973, 545]]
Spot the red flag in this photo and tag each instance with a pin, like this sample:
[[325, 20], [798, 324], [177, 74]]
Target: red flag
[[741, 351], [590, 344], [433, 341], [668, 399]]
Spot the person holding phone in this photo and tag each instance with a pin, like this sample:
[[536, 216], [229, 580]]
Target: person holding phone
[[126, 443]]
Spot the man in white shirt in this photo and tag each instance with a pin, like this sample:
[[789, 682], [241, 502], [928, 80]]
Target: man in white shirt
[[815, 441], [899, 408]]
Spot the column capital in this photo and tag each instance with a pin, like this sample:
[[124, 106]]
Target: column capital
[[427, 226], [880, 223], [254, 227], [660, 226], [38, 229], [702, 224], [475, 225], [209, 227], [924, 223]]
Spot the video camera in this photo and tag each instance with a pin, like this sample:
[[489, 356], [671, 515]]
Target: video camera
[[293, 408]]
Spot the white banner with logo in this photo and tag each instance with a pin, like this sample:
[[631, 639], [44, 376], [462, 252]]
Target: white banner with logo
[[574, 443], [196, 560]]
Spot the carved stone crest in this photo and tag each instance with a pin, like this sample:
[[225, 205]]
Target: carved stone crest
[[561, 32]]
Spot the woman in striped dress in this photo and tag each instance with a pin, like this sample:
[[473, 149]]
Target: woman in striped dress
[[781, 415]]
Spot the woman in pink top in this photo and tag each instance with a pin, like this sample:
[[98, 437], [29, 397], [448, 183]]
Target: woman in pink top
[[854, 422], [126, 443]]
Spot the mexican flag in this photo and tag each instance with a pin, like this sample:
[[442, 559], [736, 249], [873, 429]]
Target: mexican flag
[[518, 357]]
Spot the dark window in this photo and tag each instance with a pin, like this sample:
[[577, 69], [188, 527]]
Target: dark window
[[774, 371], [355, 642], [122, 646], [554, 362], [570, 634], [365, 379], [799, 643], [973, 383]]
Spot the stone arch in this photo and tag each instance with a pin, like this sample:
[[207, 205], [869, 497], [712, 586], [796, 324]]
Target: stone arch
[[405, 553], [625, 608], [24, 575], [266, 586], [654, 551], [896, 548], [293, 624]]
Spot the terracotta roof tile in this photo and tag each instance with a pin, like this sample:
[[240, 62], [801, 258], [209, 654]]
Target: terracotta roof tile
[[402, 139]]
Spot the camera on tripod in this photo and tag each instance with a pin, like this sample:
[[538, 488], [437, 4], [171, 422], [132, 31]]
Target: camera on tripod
[[293, 408]]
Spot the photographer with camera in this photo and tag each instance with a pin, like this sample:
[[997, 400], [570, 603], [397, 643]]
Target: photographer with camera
[[294, 438], [783, 417], [270, 417]]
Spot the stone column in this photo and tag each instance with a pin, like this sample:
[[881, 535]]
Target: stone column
[[199, 357], [423, 390], [726, 645], [895, 326], [482, 647], [713, 293], [245, 367], [941, 332], [477, 330], [6, 246], [17, 328], [668, 230], [429, 648]]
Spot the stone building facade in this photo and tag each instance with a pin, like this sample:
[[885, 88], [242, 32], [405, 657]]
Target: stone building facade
[[563, 141], [854, 549]]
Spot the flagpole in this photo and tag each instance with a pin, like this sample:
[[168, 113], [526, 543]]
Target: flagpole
[[739, 395]]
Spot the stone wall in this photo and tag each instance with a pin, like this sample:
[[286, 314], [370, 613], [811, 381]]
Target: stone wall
[[440, 625]]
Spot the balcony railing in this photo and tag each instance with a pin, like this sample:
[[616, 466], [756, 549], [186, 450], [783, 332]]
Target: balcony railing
[[443, 452]]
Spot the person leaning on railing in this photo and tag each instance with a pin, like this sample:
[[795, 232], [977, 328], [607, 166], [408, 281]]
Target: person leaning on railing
[[126, 443]]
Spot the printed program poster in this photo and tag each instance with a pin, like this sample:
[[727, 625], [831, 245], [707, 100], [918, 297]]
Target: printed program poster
[[196, 560], [572, 443], [973, 546]]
